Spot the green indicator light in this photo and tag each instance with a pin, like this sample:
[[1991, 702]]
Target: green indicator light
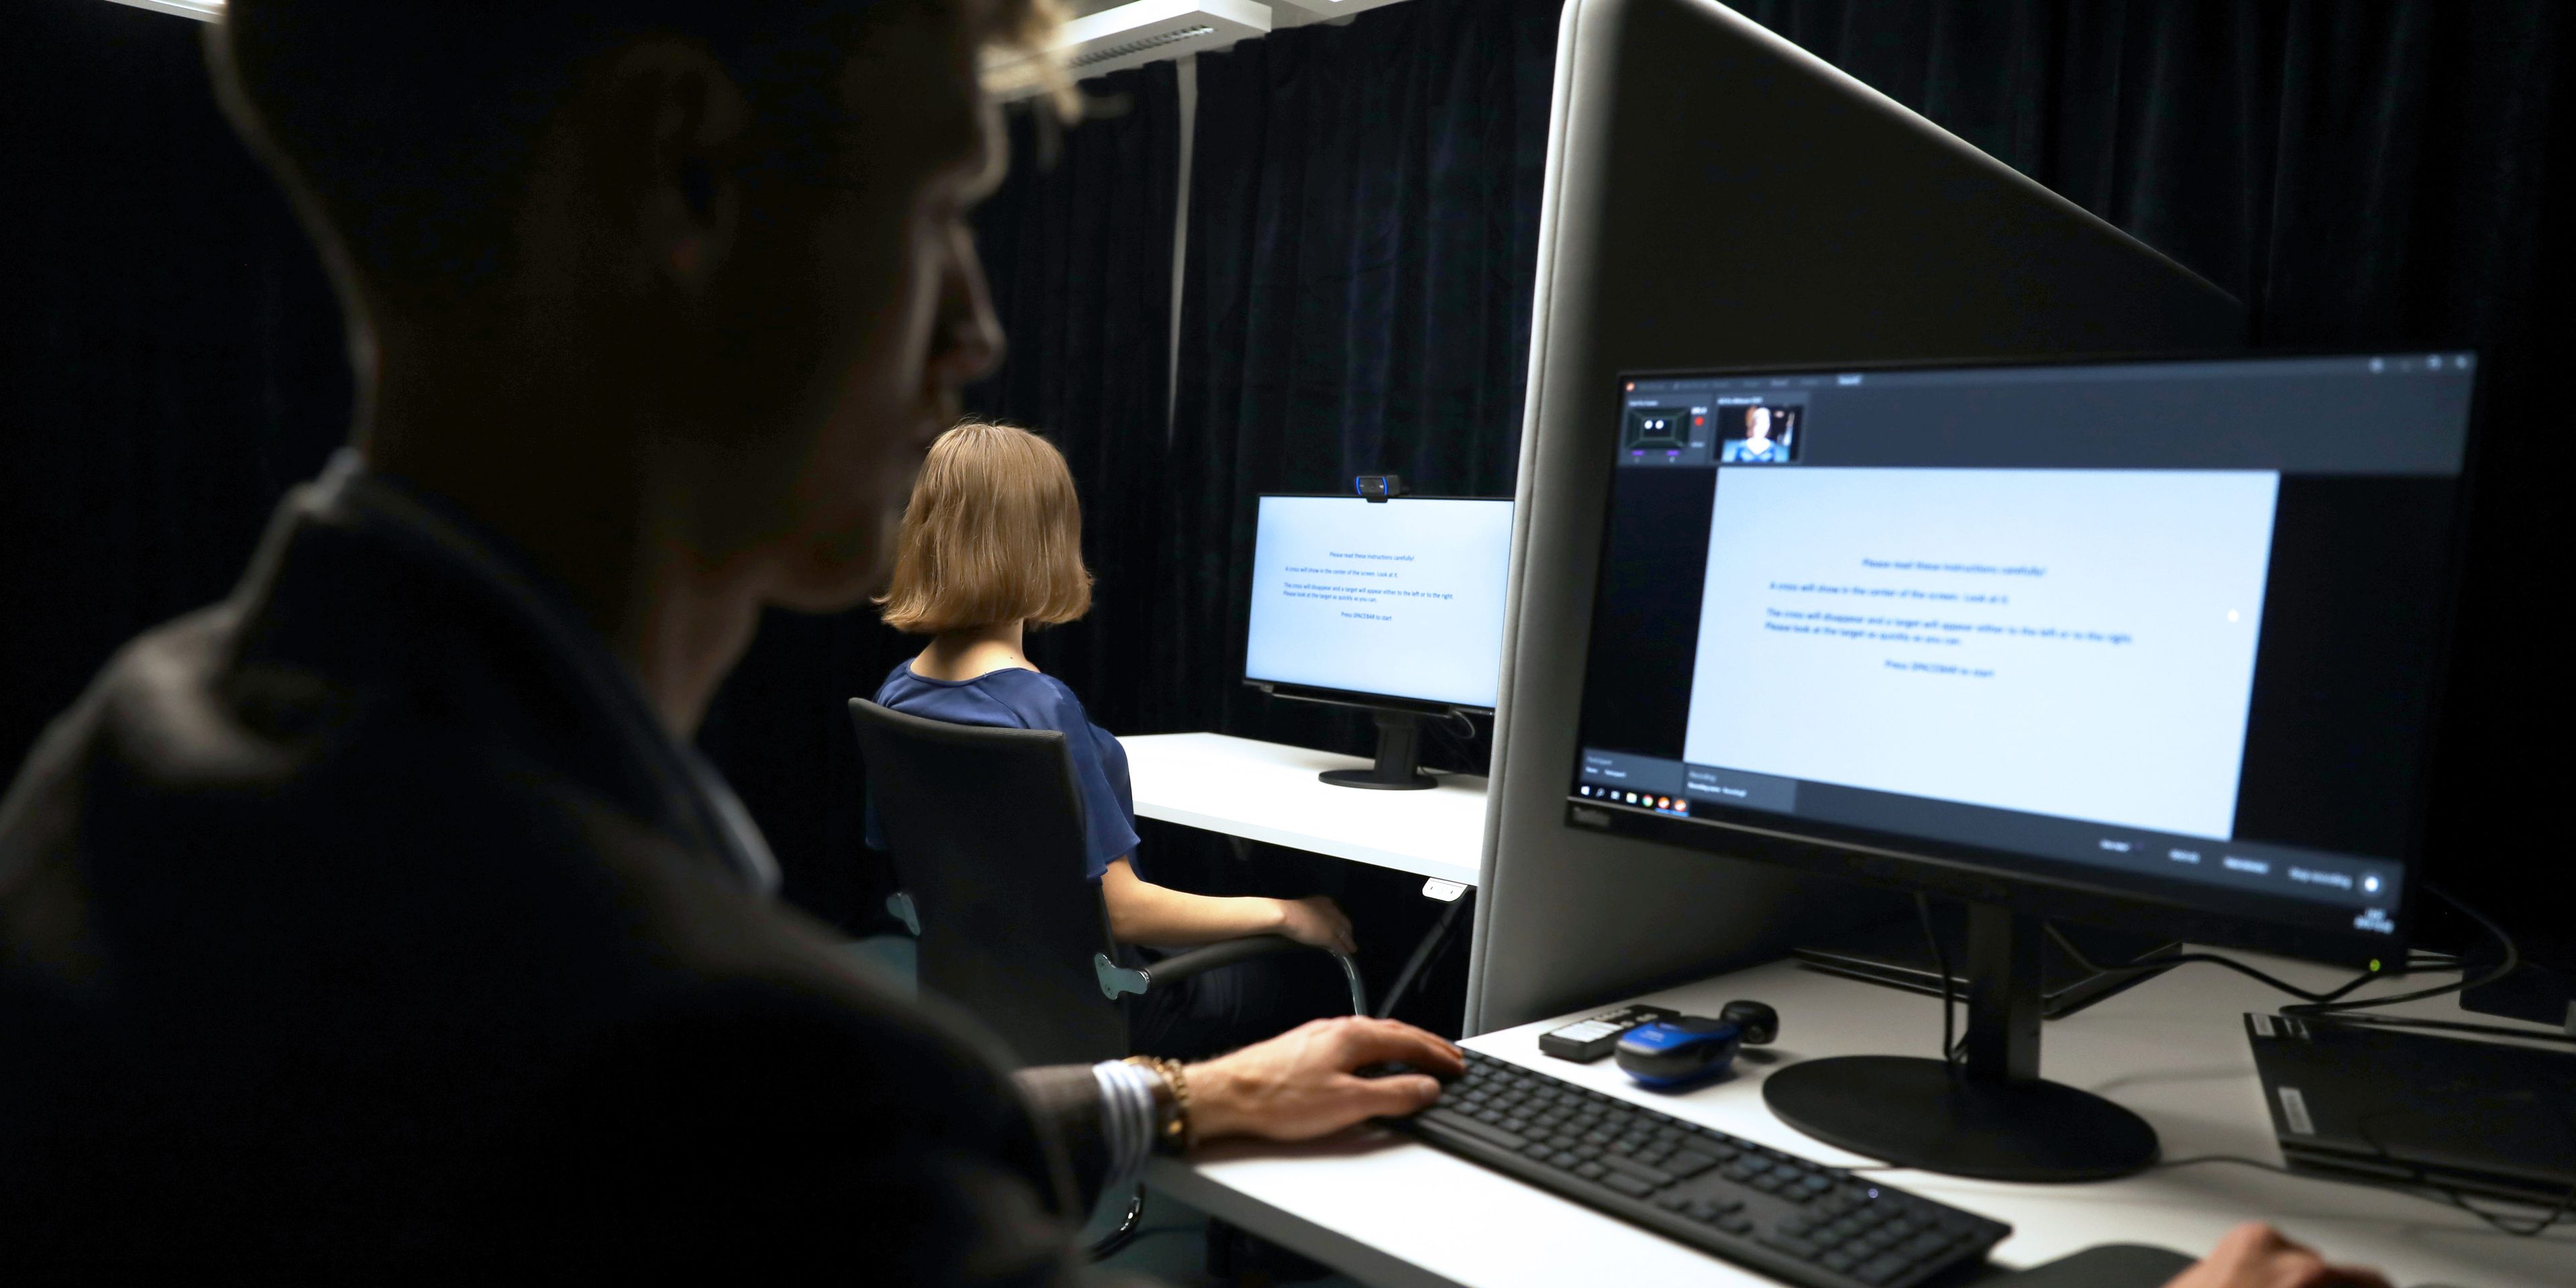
[[2374, 965]]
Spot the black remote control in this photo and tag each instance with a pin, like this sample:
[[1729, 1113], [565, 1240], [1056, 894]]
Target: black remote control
[[1585, 1041]]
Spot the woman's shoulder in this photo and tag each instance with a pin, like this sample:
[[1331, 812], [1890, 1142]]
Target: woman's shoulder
[[1021, 685]]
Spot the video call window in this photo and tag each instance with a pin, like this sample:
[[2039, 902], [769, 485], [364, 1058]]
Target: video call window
[[1760, 434]]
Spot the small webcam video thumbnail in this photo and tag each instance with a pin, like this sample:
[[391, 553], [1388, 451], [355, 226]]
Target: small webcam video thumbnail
[[1760, 434], [1666, 428]]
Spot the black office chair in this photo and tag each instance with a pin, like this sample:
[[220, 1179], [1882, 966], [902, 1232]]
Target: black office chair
[[987, 836]]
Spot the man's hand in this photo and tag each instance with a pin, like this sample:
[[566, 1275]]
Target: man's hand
[[2255, 1255], [1299, 1085], [1318, 922]]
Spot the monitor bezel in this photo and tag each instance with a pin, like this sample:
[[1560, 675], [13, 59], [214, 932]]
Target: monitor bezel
[[1981, 874], [1356, 697]]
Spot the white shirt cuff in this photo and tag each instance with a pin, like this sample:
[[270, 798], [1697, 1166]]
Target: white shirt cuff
[[1126, 1119]]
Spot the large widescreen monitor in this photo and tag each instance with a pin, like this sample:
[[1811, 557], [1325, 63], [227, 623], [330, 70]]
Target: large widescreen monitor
[[1394, 605], [2152, 643]]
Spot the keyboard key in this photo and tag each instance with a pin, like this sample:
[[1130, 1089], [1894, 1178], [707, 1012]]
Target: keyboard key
[[1791, 1244], [1735, 1223], [1622, 1182], [1653, 1176], [1688, 1162], [1881, 1270], [1591, 1171], [1500, 1137], [1839, 1263], [1564, 1161], [1673, 1202]]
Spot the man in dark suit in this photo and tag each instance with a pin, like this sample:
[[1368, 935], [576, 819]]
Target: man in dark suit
[[381, 913]]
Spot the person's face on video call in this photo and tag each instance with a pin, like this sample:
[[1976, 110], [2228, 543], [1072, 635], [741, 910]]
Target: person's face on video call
[[866, 305], [1757, 423]]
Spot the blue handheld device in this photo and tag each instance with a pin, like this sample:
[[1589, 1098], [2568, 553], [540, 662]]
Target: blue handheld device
[[1678, 1052]]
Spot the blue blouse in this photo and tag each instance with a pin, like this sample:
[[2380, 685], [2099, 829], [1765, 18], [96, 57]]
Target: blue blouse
[[1012, 698]]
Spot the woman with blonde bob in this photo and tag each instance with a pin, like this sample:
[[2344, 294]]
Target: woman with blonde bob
[[991, 548]]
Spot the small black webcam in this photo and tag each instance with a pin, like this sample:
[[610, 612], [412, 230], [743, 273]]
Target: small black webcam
[[1379, 487]]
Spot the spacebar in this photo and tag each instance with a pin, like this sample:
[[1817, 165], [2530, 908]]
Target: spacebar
[[1466, 1126]]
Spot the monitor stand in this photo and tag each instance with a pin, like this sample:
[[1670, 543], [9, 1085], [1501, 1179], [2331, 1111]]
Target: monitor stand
[[1993, 1117], [1399, 744]]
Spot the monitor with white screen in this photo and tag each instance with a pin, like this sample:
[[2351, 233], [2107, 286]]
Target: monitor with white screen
[[2145, 643], [1393, 605]]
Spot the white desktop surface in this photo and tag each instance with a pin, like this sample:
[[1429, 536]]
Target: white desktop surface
[[1392, 1212], [1263, 791]]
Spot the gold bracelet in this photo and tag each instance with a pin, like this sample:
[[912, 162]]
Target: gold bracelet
[[1173, 1134]]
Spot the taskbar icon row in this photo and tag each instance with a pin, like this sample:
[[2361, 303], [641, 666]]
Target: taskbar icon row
[[1674, 805]]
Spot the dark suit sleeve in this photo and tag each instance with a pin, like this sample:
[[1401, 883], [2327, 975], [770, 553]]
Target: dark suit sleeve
[[1065, 1102], [755, 1121]]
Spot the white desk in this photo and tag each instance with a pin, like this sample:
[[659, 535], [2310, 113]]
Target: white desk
[[1263, 791], [1392, 1212]]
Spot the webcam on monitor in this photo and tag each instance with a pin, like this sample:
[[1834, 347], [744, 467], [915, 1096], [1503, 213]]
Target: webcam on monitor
[[1379, 487]]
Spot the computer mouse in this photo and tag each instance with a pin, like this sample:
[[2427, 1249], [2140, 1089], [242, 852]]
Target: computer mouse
[[1676, 1052], [1758, 1020]]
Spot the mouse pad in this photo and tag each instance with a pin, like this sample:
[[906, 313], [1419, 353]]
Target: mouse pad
[[2109, 1265]]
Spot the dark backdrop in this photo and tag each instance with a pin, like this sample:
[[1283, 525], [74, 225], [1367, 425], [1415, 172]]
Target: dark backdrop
[[169, 351], [2369, 172]]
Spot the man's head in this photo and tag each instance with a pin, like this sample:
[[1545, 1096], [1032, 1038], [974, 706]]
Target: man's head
[[721, 245], [993, 535], [1757, 424]]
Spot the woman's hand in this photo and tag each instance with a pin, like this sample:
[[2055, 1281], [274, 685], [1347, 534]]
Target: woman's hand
[[1300, 1085], [1318, 922], [2255, 1255]]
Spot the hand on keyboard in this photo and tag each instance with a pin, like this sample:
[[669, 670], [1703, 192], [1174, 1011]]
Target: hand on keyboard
[[1306, 1082]]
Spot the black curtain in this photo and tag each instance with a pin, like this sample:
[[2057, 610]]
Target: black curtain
[[1078, 244], [1080, 254], [1363, 230], [170, 355]]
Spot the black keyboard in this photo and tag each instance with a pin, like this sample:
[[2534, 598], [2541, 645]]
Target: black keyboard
[[1773, 1212]]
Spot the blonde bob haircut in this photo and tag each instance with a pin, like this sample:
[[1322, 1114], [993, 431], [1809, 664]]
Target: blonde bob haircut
[[993, 535]]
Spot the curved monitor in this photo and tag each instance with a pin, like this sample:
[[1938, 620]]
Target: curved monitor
[[2146, 641], [1380, 603]]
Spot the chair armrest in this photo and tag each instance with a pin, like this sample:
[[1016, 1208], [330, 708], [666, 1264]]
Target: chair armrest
[[1199, 961]]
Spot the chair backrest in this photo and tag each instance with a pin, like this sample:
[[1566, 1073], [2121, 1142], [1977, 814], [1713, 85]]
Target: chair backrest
[[986, 831]]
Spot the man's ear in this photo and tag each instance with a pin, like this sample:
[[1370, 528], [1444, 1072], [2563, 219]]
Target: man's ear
[[683, 120]]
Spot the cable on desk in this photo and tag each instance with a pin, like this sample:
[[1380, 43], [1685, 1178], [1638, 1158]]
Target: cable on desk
[[1941, 963], [2423, 1189], [2512, 961], [2331, 1001]]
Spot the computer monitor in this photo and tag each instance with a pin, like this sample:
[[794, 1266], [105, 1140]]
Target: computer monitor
[[2145, 643], [1392, 605]]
